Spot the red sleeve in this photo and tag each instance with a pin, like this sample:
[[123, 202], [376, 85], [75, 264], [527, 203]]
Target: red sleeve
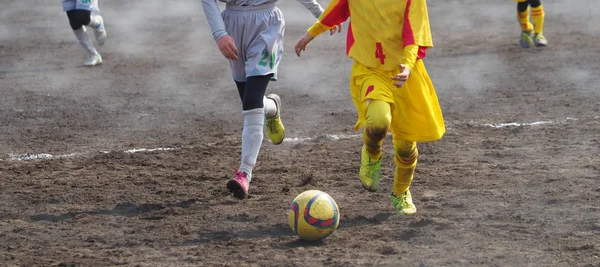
[[416, 30], [407, 32], [336, 12]]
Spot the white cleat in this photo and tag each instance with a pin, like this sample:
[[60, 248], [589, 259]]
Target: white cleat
[[93, 60], [100, 31], [540, 40]]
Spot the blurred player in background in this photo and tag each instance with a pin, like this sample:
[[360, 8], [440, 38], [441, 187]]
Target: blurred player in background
[[250, 34], [389, 84], [82, 13], [531, 33]]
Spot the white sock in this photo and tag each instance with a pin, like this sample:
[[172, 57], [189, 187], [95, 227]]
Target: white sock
[[94, 21], [270, 107], [84, 40], [252, 137]]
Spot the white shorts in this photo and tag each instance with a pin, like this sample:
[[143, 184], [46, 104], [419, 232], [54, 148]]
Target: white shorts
[[91, 5], [258, 35]]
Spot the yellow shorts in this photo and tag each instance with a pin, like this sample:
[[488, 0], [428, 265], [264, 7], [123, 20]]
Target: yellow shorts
[[416, 113]]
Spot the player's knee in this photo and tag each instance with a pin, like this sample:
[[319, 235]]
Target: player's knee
[[78, 18], [378, 124], [535, 3], [254, 91], [378, 118], [406, 151], [522, 6], [75, 25], [252, 101], [83, 16], [377, 131]]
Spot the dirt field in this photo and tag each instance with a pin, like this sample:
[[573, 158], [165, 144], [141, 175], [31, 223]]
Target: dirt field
[[514, 182]]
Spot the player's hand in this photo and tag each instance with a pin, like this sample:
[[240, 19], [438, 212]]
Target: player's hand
[[227, 47], [301, 44], [336, 28], [401, 78]]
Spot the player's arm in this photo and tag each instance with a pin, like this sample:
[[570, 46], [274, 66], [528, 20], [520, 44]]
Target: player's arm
[[336, 12], [213, 15], [316, 10], [416, 29], [416, 38], [217, 26], [409, 58]]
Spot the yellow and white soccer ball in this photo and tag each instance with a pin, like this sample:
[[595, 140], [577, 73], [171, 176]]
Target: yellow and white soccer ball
[[313, 215]]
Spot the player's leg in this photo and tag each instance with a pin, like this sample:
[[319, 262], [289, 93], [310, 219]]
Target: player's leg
[[96, 21], [240, 87], [272, 108], [263, 57], [406, 154], [417, 117], [234, 22], [272, 102], [252, 133], [253, 70], [526, 26], [537, 16], [254, 118], [372, 94], [254, 102], [97, 24], [275, 128], [265, 53], [78, 19], [378, 118]]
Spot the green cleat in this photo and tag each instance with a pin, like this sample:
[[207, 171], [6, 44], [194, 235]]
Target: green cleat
[[275, 128], [526, 39], [370, 171], [404, 204]]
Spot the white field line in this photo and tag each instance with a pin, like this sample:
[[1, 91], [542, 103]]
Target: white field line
[[332, 137], [516, 124], [535, 123], [136, 150], [296, 139], [50, 156], [38, 156]]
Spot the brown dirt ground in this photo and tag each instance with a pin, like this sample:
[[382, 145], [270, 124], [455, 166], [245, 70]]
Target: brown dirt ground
[[514, 196]]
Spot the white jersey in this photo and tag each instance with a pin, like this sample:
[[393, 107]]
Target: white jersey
[[91, 5]]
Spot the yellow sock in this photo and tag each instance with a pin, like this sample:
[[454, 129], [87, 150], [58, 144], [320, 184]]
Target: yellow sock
[[378, 119], [373, 145], [537, 16], [406, 162], [524, 20]]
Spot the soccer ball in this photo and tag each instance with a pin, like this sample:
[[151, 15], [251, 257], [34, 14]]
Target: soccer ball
[[313, 215]]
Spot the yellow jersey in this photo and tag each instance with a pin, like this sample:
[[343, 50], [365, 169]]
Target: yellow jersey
[[379, 30]]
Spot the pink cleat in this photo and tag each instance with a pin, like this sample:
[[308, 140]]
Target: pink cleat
[[239, 185]]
